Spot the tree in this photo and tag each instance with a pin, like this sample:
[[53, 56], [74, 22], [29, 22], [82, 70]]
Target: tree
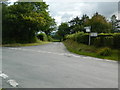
[[115, 24], [75, 25], [99, 24], [78, 24], [23, 20], [84, 19], [63, 30]]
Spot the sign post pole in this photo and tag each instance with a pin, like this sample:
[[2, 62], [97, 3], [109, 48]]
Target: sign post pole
[[89, 39], [88, 31]]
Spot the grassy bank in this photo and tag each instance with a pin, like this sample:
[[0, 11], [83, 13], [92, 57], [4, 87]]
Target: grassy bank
[[26, 44], [86, 50]]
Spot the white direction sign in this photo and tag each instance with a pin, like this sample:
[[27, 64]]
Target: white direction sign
[[87, 29], [93, 34]]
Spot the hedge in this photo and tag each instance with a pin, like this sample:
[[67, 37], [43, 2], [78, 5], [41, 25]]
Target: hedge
[[111, 40], [116, 40]]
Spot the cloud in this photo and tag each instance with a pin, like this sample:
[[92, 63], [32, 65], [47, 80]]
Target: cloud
[[65, 11], [81, 1]]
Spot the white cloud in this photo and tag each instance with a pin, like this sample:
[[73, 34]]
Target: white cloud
[[58, 19], [81, 0], [12, 0], [65, 11]]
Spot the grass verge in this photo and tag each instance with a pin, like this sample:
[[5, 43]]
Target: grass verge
[[27, 44], [86, 50]]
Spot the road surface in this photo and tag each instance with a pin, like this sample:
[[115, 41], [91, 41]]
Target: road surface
[[52, 66]]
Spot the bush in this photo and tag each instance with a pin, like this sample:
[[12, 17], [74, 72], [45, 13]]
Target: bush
[[42, 36], [82, 38], [104, 51], [116, 40], [97, 42], [111, 40], [50, 38], [79, 37], [108, 41]]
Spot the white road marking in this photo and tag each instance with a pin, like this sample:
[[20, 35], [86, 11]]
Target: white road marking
[[13, 83], [63, 54], [3, 76]]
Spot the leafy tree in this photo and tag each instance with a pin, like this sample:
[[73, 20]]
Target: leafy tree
[[75, 25], [115, 24], [78, 24], [99, 24], [63, 30], [23, 20], [84, 19]]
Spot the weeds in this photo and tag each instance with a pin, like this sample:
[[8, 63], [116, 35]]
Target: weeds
[[82, 49]]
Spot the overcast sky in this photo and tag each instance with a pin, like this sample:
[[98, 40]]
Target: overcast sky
[[63, 10]]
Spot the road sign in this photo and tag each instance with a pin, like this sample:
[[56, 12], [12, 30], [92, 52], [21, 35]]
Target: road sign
[[93, 34], [87, 28]]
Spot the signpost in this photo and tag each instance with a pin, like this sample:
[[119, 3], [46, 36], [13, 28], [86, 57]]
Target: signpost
[[91, 34], [88, 31]]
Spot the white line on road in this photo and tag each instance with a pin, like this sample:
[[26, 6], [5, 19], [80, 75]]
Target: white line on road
[[3, 76], [11, 82], [64, 54]]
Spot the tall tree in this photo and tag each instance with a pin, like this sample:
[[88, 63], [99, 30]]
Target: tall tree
[[24, 20], [99, 24], [75, 25], [63, 30], [78, 24], [115, 24]]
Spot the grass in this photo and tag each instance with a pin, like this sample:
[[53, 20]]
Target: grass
[[87, 50], [26, 44]]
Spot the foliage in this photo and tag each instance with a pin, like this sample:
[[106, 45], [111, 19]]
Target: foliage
[[114, 23], [87, 50], [116, 40], [50, 38], [99, 24], [104, 51], [63, 30], [23, 20], [80, 37], [111, 40], [77, 24]]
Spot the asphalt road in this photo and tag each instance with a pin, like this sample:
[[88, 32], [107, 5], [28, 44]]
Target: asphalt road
[[52, 66]]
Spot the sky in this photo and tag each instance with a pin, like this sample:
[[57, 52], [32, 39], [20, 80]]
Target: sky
[[65, 10]]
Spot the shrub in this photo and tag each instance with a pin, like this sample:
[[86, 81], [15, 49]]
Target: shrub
[[108, 41], [103, 41], [111, 40], [116, 40], [79, 37], [82, 38], [71, 36], [50, 38], [104, 51], [97, 42]]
